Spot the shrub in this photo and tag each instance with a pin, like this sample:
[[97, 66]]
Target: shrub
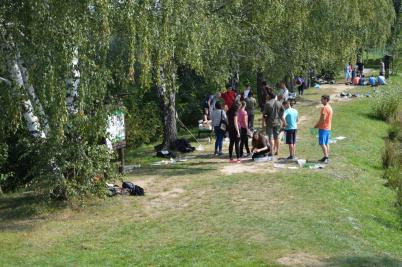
[[387, 104], [392, 155]]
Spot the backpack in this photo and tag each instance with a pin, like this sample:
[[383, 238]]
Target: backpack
[[184, 146], [134, 190]]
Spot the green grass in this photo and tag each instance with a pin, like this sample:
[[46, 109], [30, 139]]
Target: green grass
[[195, 215]]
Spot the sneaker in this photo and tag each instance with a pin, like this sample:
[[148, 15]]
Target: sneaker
[[276, 154], [238, 161], [290, 158], [220, 153], [324, 160], [269, 154]]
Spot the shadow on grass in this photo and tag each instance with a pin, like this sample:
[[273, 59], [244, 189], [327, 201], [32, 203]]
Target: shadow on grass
[[167, 171], [358, 261], [18, 210]]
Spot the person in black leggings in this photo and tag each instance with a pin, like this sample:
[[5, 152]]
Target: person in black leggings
[[234, 132]]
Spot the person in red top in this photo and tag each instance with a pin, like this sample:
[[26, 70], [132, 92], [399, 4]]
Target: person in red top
[[243, 125], [228, 97], [324, 126]]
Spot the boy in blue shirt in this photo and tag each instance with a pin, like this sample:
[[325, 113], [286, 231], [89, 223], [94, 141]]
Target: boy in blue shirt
[[289, 122]]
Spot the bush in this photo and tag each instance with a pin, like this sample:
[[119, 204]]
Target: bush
[[386, 105], [392, 155]]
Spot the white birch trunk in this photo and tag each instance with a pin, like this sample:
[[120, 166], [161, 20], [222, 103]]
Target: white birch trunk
[[31, 120], [31, 92], [72, 86]]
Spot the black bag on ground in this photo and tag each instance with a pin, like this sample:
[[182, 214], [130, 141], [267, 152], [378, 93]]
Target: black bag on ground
[[184, 146], [134, 189]]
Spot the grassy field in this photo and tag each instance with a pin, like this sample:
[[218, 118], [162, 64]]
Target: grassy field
[[207, 212]]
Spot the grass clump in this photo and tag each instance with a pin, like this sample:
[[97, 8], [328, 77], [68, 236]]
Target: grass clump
[[387, 105], [392, 158]]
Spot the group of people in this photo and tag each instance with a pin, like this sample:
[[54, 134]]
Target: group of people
[[355, 76], [236, 118]]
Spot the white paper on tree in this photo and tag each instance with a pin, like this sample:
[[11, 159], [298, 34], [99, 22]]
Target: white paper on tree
[[116, 130]]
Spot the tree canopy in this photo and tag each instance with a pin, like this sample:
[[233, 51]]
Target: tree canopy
[[66, 62]]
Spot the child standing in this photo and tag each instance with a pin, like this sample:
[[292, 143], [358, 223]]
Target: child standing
[[290, 120]]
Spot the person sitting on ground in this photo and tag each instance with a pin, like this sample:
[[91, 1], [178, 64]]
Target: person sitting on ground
[[356, 80], [290, 120], [372, 81], [228, 97], [381, 80], [234, 131], [260, 146], [272, 116], [217, 116], [251, 104], [243, 124], [362, 80]]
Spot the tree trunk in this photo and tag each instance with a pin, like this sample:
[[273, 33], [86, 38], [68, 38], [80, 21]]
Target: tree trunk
[[260, 95], [31, 92], [31, 120], [72, 85], [167, 102]]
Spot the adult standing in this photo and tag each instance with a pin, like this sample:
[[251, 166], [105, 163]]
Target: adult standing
[[283, 91], [247, 91], [382, 68], [243, 124], [218, 115], [324, 127], [234, 131], [290, 120], [300, 85], [272, 116], [251, 104], [348, 73], [360, 67], [228, 97], [207, 106]]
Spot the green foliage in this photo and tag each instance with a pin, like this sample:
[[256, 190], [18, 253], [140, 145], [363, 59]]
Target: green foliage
[[387, 104], [143, 124]]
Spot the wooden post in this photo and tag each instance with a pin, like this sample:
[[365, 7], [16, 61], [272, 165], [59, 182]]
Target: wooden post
[[121, 158]]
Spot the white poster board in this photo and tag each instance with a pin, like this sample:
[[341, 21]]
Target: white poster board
[[116, 130]]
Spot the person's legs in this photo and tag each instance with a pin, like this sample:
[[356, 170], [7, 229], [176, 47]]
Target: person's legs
[[221, 136], [276, 140], [217, 138], [237, 149], [251, 121], [269, 132], [260, 154], [231, 143], [243, 135], [323, 136], [246, 143]]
